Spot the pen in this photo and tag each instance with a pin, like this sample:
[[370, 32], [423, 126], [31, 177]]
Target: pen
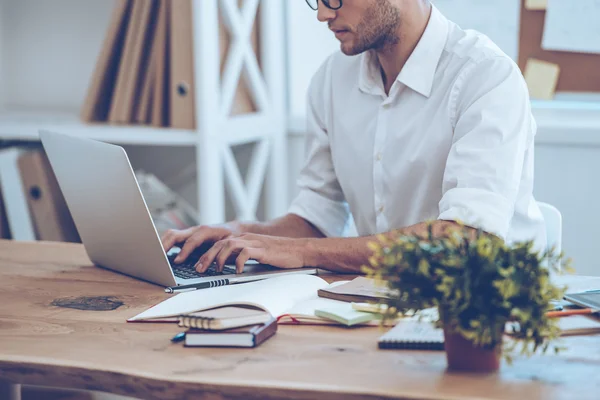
[[565, 313], [178, 338], [196, 286]]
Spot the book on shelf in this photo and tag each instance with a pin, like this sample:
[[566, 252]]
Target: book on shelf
[[159, 112], [134, 61], [182, 90], [249, 336], [143, 111], [292, 299], [145, 71], [99, 95], [50, 215]]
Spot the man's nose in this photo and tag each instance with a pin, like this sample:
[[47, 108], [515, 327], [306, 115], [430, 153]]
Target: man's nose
[[325, 13]]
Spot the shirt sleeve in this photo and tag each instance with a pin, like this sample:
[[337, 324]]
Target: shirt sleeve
[[320, 200], [493, 129]]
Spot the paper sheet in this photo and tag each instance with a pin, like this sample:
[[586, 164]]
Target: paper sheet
[[536, 4], [541, 78], [572, 25], [497, 19]]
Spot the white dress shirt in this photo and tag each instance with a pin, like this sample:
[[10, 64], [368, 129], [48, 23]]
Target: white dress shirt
[[453, 140]]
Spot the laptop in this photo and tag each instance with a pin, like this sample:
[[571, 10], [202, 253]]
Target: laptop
[[113, 220]]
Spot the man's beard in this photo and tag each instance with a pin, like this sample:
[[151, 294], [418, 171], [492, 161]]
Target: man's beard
[[378, 28]]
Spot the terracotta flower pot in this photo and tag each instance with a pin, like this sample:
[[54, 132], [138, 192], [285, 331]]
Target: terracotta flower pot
[[462, 355]]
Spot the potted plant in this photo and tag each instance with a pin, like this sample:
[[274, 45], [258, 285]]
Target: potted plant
[[479, 284]]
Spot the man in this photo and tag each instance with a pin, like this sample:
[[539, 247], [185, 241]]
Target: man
[[414, 120]]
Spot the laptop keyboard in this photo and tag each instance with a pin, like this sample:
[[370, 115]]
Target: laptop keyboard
[[186, 269]]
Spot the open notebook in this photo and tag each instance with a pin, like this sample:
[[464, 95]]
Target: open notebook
[[290, 299]]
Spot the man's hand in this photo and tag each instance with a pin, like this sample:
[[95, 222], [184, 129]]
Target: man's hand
[[277, 251], [192, 238]]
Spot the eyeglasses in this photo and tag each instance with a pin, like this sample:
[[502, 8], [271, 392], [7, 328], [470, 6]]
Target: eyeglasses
[[331, 4]]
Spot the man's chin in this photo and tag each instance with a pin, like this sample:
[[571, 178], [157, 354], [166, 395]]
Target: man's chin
[[349, 50]]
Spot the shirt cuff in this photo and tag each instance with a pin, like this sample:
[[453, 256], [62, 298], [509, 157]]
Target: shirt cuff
[[478, 209], [329, 216]]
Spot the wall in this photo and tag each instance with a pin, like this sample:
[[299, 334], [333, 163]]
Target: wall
[[567, 177], [309, 44], [48, 55]]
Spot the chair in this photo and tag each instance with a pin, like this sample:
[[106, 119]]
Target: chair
[[553, 222]]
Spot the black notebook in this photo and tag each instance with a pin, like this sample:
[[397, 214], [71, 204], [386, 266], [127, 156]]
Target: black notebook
[[413, 335], [249, 336]]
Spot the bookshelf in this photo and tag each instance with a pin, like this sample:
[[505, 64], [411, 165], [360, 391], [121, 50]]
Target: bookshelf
[[32, 34], [24, 126]]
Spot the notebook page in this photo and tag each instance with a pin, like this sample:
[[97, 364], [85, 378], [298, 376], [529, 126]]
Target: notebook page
[[275, 295], [307, 307]]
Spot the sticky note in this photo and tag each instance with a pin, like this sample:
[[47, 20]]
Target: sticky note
[[536, 4], [542, 78]]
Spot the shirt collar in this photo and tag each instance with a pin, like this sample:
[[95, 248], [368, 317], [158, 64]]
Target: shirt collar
[[419, 71]]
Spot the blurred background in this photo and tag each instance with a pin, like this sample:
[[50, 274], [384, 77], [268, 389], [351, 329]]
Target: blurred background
[[212, 115]]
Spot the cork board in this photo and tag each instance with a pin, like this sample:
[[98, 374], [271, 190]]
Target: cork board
[[579, 72]]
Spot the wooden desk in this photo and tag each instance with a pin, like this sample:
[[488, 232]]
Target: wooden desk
[[42, 344]]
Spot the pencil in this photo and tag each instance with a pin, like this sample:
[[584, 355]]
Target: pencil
[[565, 313]]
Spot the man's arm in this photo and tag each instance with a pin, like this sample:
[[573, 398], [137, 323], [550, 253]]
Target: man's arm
[[350, 254], [335, 254], [289, 226]]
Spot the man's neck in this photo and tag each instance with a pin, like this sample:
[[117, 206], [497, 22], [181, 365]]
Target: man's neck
[[393, 56]]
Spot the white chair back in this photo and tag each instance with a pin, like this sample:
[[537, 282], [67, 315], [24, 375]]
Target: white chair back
[[553, 221]]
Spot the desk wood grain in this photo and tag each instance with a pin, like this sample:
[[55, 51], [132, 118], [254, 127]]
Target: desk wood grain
[[44, 344]]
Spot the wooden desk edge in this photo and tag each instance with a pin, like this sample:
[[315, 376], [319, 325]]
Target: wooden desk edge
[[134, 384]]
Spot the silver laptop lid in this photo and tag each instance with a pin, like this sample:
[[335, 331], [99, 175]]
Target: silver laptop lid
[[107, 206]]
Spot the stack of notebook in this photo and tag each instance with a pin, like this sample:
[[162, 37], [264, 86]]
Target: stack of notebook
[[144, 73], [229, 326]]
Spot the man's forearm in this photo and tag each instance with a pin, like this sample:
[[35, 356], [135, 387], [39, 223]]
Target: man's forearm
[[350, 254], [290, 225]]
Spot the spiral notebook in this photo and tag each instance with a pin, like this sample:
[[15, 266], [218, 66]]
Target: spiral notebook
[[413, 335], [222, 318]]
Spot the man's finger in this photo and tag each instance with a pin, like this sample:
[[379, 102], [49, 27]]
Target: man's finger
[[230, 247], [233, 248], [248, 253], [173, 236], [196, 240], [207, 258]]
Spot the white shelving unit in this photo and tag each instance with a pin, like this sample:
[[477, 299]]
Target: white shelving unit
[[216, 132]]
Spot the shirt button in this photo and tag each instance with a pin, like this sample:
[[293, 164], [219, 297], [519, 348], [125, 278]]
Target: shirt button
[[386, 105], [381, 208], [379, 156]]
